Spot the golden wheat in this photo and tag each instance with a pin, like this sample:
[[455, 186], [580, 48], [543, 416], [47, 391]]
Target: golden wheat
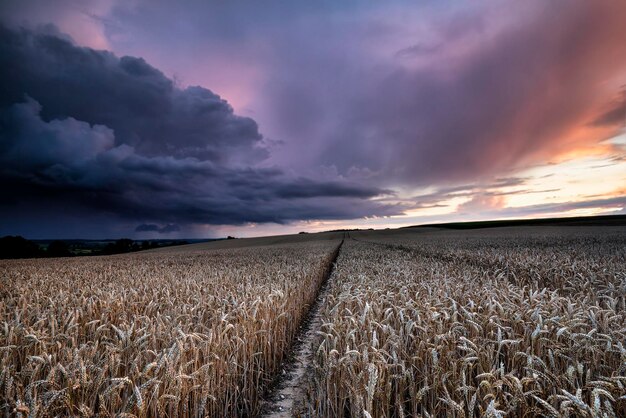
[[465, 327], [157, 334], [413, 323]]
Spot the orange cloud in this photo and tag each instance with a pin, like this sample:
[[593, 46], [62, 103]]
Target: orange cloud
[[482, 202]]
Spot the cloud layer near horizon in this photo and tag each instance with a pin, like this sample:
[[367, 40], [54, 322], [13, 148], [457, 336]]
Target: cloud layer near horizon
[[96, 133]]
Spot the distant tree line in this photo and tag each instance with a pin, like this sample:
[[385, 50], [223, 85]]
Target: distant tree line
[[126, 245], [20, 247]]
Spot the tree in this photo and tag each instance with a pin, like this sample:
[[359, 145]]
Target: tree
[[18, 247], [58, 249], [120, 246]]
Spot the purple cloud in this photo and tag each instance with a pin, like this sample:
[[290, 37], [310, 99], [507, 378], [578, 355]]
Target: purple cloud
[[487, 95]]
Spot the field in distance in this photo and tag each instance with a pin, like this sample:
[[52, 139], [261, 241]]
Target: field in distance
[[501, 321]]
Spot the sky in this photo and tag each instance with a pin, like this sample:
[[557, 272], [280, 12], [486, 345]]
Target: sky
[[195, 119]]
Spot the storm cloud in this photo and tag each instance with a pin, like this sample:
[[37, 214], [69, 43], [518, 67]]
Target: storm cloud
[[85, 130], [165, 229], [144, 108], [406, 94], [335, 110]]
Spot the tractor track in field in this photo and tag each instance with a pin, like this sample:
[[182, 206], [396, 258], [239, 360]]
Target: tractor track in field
[[287, 391]]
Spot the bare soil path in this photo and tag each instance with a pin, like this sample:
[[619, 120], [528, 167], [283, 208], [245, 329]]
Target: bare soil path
[[287, 389]]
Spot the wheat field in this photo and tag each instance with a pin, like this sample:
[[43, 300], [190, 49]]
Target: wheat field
[[471, 326], [514, 322], [159, 334]]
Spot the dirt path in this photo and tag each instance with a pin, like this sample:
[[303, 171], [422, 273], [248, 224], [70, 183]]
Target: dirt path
[[287, 390]]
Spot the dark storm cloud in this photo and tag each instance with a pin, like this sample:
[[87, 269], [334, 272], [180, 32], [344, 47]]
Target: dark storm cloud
[[166, 229], [85, 131], [143, 107], [73, 162], [303, 188]]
